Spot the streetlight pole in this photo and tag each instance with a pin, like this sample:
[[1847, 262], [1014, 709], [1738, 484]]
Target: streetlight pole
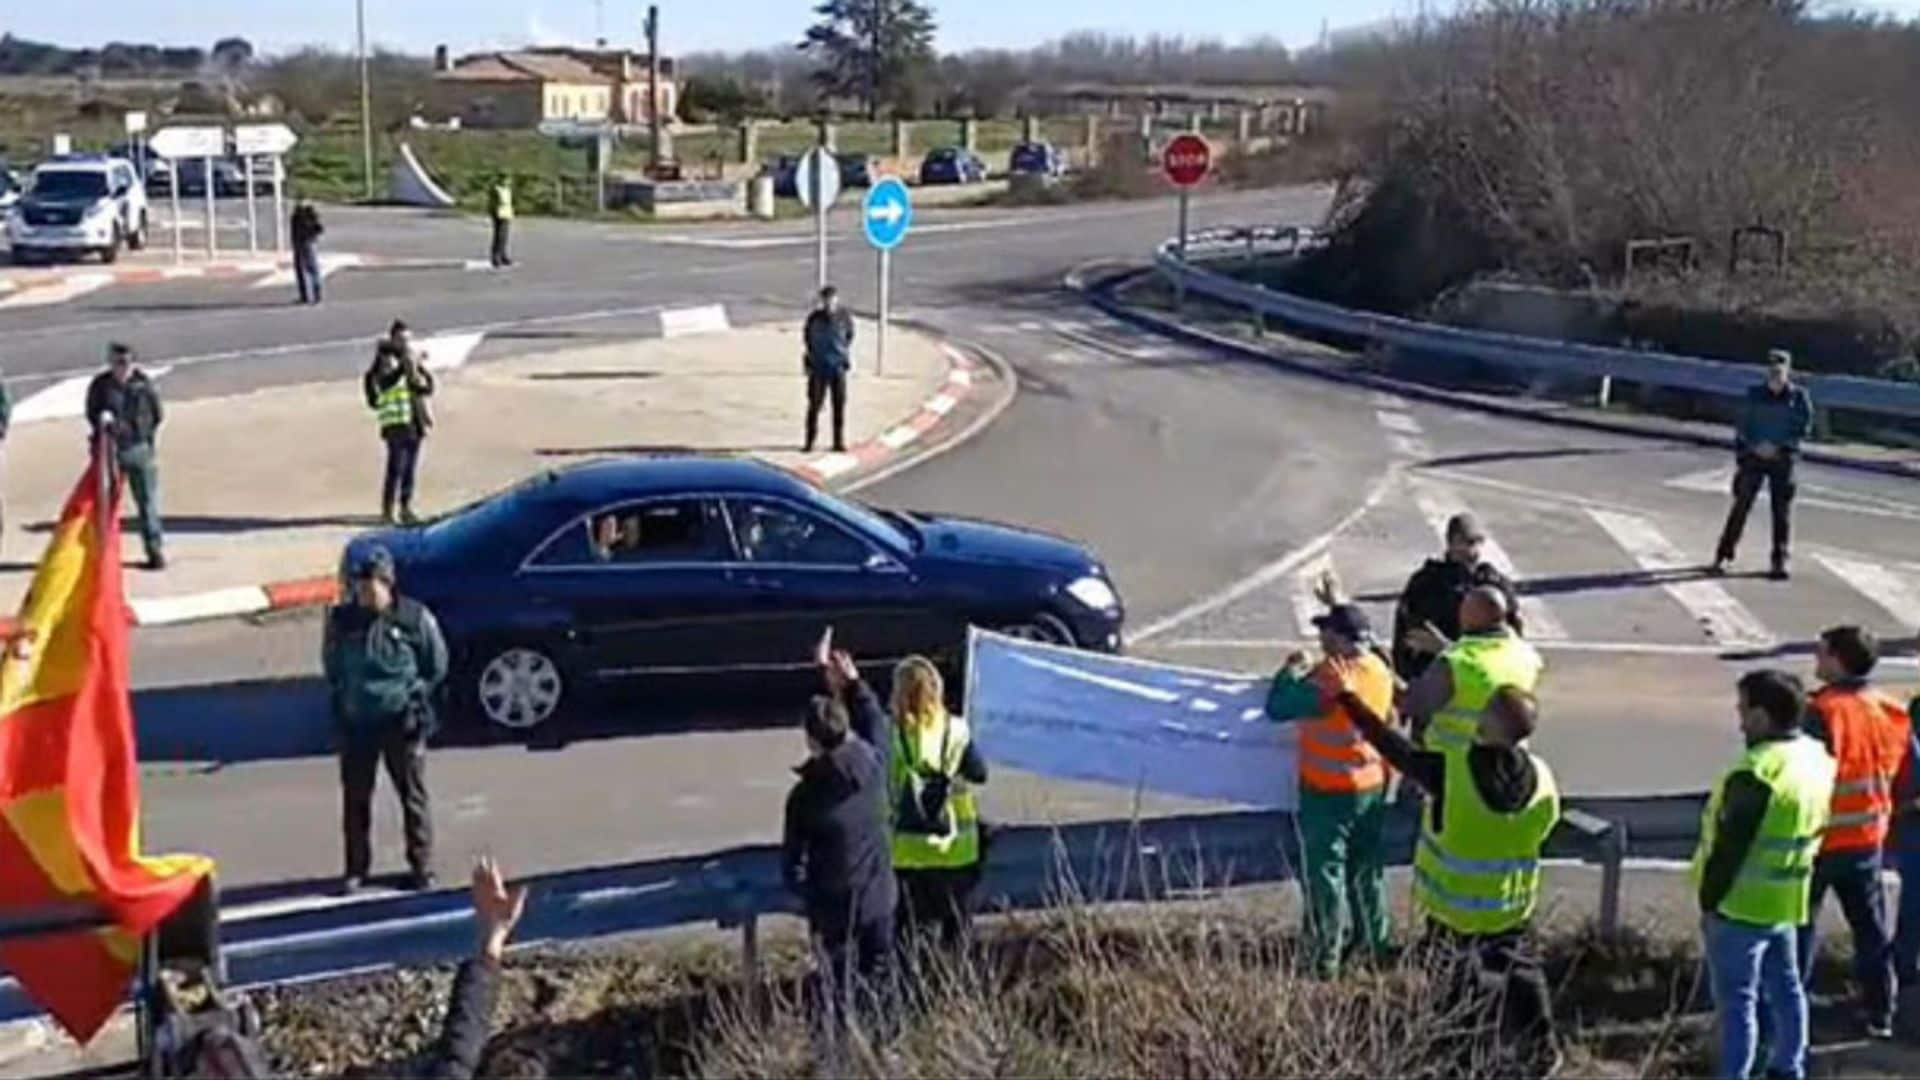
[[366, 98], [653, 89]]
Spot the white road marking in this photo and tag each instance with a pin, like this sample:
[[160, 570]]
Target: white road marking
[[65, 399], [1273, 571], [1383, 400], [1889, 590], [895, 438], [1719, 481], [449, 351], [1399, 421], [683, 322], [940, 404], [1305, 604], [71, 287], [284, 278], [216, 604], [1720, 616], [1150, 693], [1440, 504], [832, 465], [1409, 448]]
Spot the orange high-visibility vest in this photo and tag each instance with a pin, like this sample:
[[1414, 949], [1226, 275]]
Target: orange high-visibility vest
[[1334, 757], [1868, 734]]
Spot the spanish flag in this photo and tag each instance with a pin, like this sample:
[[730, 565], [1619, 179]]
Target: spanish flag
[[69, 782]]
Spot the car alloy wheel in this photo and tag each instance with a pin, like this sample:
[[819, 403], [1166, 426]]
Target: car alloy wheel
[[520, 689], [1042, 629]]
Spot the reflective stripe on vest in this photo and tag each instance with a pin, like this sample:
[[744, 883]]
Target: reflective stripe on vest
[[1478, 870], [1334, 757], [1868, 736], [960, 847], [393, 407], [1772, 885], [1480, 665]]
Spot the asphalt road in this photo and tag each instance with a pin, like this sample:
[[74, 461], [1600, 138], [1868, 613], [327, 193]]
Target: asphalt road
[[1199, 478]]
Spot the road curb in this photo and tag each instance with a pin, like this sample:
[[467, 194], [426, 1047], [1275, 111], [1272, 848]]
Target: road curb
[[941, 423], [247, 267], [1099, 293]]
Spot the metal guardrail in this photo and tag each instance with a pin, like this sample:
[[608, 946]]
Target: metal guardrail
[[1720, 378], [1028, 867]]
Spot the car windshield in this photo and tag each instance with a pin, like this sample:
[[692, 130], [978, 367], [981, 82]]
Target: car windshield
[[70, 184]]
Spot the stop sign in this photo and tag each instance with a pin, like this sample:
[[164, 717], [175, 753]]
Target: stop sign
[[1187, 160]]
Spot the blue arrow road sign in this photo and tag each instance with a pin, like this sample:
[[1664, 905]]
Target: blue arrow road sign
[[888, 213]]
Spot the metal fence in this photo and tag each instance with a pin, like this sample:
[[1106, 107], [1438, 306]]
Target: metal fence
[[1028, 867], [1189, 276]]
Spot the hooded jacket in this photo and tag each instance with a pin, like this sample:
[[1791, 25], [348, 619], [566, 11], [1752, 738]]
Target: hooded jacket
[[838, 856]]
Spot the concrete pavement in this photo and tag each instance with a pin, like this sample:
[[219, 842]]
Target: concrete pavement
[[268, 485]]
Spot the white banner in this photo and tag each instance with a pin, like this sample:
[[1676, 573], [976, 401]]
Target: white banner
[[1131, 723]]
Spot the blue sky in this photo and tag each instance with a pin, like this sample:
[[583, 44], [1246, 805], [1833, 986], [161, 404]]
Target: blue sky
[[417, 25]]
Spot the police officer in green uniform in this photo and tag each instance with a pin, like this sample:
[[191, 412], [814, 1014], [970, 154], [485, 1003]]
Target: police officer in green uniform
[[384, 656], [1476, 871]]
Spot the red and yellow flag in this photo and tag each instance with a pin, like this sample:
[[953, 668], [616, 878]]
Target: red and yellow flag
[[69, 781]]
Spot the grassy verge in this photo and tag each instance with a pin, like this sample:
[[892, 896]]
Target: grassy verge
[[1208, 987]]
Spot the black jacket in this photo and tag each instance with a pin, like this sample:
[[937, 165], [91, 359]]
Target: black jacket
[[837, 855], [135, 407], [305, 226], [469, 1023], [1433, 595]]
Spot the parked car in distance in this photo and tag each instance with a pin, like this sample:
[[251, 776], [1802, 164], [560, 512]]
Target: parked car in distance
[[856, 170], [1037, 159], [785, 171], [9, 189], [650, 572], [952, 165], [76, 205], [228, 179]]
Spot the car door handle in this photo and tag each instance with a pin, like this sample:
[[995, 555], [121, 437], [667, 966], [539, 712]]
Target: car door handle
[[763, 584]]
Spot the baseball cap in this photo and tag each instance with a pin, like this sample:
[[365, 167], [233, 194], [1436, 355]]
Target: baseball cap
[[1779, 356], [1465, 527], [1347, 620], [375, 562]]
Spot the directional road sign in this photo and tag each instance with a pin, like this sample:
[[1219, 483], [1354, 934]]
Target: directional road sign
[[252, 139], [180, 143], [888, 213], [818, 162]]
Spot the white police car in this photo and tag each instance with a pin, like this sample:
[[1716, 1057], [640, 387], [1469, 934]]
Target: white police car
[[79, 204]]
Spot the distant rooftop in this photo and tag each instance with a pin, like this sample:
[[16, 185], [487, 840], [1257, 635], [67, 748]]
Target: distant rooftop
[[524, 67]]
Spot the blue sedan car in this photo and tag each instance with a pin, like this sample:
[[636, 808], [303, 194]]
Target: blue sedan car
[[952, 165], [635, 570]]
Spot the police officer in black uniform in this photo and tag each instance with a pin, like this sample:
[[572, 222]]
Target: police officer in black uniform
[[384, 656]]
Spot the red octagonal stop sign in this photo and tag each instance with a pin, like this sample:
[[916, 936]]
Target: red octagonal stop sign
[[1187, 160]]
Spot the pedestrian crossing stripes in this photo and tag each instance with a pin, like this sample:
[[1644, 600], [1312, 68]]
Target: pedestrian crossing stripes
[[1723, 618], [1592, 578], [72, 287]]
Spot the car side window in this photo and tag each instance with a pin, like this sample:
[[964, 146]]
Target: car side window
[[774, 533], [639, 534]]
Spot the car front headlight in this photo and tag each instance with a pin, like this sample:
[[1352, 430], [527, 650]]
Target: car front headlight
[[1095, 593]]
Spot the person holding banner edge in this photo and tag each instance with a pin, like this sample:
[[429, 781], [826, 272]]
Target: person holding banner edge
[[1343, 783]]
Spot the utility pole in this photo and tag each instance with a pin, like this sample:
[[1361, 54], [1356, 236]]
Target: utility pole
[[653, 88], [366, 99]]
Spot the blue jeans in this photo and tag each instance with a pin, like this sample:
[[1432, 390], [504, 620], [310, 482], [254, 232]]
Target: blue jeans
[[1906, 936], [306, 273], [1754, 966], [1854, 877]]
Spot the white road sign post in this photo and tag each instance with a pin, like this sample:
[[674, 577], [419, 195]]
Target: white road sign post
[[182, 144], [817, 182], [271, 141]]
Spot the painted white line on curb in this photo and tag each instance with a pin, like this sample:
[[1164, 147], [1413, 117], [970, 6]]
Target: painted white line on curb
[[1720, 616], [1440, 504], [685, 322], [895, 438], [1273, 571], [832, 465], [217, 604], [940, 404], [960, 377]]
